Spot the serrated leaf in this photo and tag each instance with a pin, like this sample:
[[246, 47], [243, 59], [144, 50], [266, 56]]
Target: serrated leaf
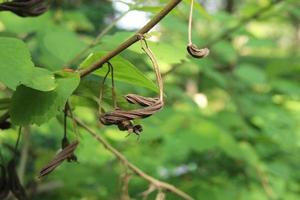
[[124, 71], [30, 106], [17, 68]]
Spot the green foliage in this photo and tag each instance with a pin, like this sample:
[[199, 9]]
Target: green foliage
[[32, 106], [17, 68], [230, 125], [123, 71]]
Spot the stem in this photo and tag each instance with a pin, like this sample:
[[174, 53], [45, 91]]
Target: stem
[[157, 183], [18, 139], [190, 23], [150, 54], [24, 153], [133, 39], [102, 90], [65, 120]]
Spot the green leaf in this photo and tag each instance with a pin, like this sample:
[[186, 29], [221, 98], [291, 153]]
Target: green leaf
[[41, 79], [250, 74], [32, 106], [4, 103], [59, 47], [123, 71], [17, 68]]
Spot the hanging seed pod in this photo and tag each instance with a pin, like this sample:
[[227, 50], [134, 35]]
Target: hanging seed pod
[[194, 51], [25, 8], [4, 186], [14, 183], [64, 143], [123, 118], [64, 154]]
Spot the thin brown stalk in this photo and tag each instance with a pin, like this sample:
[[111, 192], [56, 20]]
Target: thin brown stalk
[[153, 181]]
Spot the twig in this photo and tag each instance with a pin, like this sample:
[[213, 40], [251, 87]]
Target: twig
[[157, 183], [190, 24], [24, 153], [133, 39]]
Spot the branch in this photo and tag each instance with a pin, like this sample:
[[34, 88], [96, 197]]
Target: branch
[[133, 39], [157, 183], [24, 153]]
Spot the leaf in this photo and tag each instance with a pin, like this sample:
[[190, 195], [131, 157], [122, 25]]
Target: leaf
[[32, 106], [4, 103], [123, 71], [17, 68], [59, 47], [250, 74], [41, 79]]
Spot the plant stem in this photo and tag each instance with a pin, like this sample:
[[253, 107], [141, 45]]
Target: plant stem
[[190, 23], [157, 183], [24, 153], [133, 39]]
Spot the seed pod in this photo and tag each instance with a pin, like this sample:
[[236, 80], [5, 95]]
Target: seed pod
[[194, 51], [15, 186], [25, 8], [64, 143], [4, 186], [66, 154]]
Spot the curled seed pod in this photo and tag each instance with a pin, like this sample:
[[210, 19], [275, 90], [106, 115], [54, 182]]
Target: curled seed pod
[[5, 125], [4, 186], [128, 126], [25, 8], [137, 129], [65, 154], [194, 51], [64, 143], [140, 100], [14, 182], [118, 116]]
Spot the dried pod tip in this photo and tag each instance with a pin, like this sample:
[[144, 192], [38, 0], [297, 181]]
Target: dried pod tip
[[194, 51]]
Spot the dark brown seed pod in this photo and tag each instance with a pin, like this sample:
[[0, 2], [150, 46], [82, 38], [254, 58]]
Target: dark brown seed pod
[[14, 183], [4, 186], [64, 143], [25, 8], [194, 51], [65, 154]]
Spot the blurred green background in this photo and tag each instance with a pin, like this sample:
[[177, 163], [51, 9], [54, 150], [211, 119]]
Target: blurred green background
[[230, 127]]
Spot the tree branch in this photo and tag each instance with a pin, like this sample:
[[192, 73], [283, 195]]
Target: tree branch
[[133, 39], [157, 183]]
